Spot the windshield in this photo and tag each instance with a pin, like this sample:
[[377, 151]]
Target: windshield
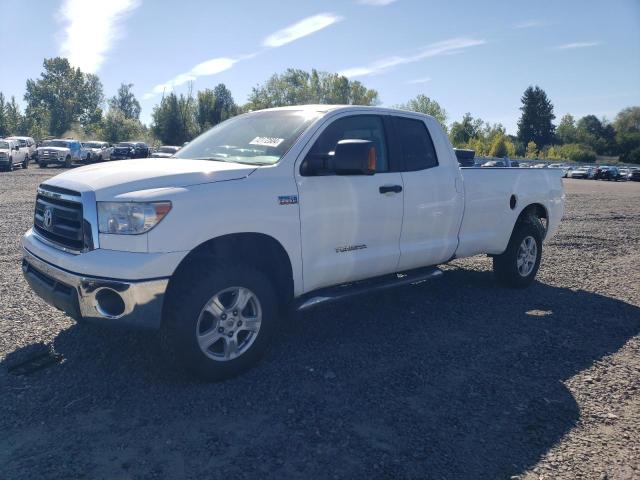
[[57, 143], [4, 145], [124, 145], [93, 145], [260, 138]]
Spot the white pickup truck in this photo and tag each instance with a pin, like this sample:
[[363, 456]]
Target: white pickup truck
[[271, 210]]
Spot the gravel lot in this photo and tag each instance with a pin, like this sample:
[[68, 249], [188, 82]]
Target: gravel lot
[[454, 379]]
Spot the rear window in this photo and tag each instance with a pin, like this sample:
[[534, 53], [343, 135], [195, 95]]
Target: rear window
[[417, 147]]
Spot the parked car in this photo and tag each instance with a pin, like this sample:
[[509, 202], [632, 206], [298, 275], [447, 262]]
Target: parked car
[[59, 152], [125, 150], [26, 142], [634, 174], [314, 210], [165, 151], [565, 168], [11, 155], [607, 173], [494, 164], [581, 172], [98, 151]]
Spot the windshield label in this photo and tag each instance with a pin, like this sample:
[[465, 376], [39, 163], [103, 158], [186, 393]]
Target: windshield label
[[267, 141]]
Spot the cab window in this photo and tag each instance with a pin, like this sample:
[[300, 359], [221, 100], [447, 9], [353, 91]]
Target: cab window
[[418, 152], [357, 127]]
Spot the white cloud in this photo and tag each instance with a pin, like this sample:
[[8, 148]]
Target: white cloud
[[304, 27], [377, 3], [569, 46], [91, 28], [217, 65], [446, 47], [530, 24], [203, 69], [419, 80]]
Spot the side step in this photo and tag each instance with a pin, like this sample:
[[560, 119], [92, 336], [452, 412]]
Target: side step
[[340, 292]]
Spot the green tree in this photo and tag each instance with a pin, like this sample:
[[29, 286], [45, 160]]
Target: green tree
[[118, 128], [214, 106], [125, 101], [424, 104], [4, 130], [566, 131], [66, 93], [13, 118], [174, 119], [575, 152], [298, 87], [499, 147], [627, 126], [536, 121], [37, 121], [532, 150], [597, 134], [463, 131]]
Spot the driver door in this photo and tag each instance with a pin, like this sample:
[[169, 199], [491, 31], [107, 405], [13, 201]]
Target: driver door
[[350, 224]]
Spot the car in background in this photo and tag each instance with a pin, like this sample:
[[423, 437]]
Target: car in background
[[97, 151], [540, 165], [494, 164], [165, 151], [26, 142], [125, 150], [585, 173], [634, 174], [59, 151], [565, 168], [607, 173], [11, 155]]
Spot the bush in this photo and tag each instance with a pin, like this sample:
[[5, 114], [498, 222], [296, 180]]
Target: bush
[[576, 152], [499, 147]]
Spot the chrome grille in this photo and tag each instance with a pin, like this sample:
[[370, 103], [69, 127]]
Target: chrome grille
[[58, 217]]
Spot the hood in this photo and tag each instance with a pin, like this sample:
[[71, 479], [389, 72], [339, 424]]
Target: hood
[[5, 150], [115, 178], [55, 149]]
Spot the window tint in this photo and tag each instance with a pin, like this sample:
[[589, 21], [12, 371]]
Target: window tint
[[417, 148], [358, 127]]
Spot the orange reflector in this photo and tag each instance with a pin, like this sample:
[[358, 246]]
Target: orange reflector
[[372, 159]]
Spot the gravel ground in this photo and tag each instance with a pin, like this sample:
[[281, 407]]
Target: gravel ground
[[458, 378]]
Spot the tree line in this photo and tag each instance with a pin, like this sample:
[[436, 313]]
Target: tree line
[[64, 101]]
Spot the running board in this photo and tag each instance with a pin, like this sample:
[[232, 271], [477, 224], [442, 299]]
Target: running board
[[340, 292]]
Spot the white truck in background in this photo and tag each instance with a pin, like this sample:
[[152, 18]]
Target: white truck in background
[[274, 209]]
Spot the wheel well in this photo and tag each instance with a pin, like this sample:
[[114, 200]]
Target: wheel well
[[256, 249], [535, 210]]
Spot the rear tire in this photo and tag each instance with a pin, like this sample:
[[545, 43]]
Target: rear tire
[[518, 265], [42, 165], [10, 166], [25, 164], [186, 323]]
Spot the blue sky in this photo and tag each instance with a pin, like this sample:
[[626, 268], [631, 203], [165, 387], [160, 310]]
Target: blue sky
[[475, 56]]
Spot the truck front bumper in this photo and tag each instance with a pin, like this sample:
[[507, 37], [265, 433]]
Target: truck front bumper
[[135, 304]]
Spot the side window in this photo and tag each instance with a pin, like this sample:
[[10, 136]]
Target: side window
[[357, 127], [418, 151]]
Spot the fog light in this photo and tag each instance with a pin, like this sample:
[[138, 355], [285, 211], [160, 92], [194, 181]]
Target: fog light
[[109, 303]]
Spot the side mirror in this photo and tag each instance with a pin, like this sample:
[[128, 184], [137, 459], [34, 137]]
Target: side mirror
[[354, 157]]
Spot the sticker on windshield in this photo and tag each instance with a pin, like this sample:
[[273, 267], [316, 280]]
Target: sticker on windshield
[[267, 141]]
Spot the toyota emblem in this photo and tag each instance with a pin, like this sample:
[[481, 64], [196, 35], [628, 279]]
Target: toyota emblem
[[48, 218]]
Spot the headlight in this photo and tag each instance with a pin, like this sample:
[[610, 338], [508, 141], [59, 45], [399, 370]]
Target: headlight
[[130, 218]]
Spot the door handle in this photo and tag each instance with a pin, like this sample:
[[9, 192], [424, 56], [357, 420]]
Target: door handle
[[390, 189]]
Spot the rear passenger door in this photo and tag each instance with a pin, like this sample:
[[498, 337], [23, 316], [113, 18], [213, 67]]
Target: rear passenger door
[[433, 205]]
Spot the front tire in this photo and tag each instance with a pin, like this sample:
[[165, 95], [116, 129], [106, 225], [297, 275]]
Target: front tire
[[67, 162], [218, 319], [42, 165], [25, 163], [518, 265]]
